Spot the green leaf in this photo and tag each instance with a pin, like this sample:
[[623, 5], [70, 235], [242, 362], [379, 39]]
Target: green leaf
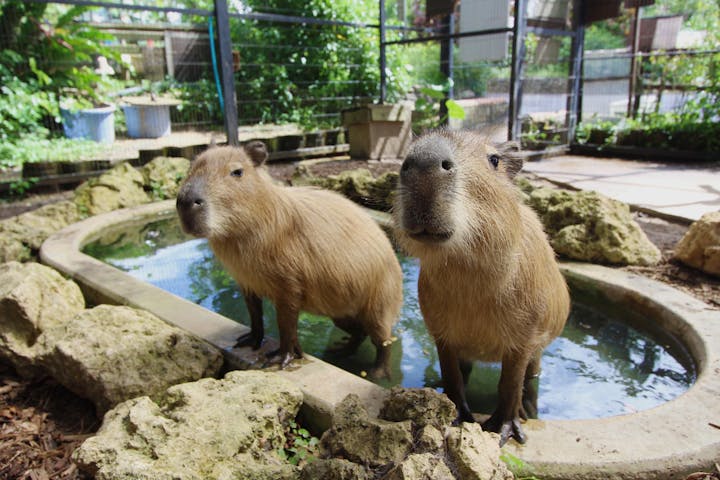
[[434, 91], [455, 110]]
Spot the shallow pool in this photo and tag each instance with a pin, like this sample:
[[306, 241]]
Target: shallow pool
[[608, 361]]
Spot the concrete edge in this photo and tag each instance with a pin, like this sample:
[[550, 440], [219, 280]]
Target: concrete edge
[[668, 441]]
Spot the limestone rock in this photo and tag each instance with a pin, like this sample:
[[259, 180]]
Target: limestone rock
[[357, 437], [33, 299], [23, 234], [223, 429], [12, 248], [422, 466], [591, 227], [334, 469], [110, 354], [700, 247], [120, 187], [163, 175], [476, 454], [429, 439], [358, 185], [423, 406]]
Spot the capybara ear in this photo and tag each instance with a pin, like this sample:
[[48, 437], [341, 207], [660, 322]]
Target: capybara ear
[[257, 152], [509, 158]]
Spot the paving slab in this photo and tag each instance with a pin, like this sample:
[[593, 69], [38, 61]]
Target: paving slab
[[672, 189]]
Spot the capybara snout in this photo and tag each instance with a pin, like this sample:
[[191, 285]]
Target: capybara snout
[[191, 206], [427, 174]]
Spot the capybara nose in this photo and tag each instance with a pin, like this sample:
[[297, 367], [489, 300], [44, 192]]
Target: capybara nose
[[190, 198], [430, 159]]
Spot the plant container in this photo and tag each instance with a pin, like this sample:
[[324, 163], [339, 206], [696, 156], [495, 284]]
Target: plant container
[[96, 124], [378, 132], [148, 117]]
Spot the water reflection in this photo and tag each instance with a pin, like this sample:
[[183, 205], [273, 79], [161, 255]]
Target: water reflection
[[602, 364]]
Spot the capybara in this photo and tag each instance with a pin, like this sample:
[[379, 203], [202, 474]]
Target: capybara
[[302, 248], [489, 285]]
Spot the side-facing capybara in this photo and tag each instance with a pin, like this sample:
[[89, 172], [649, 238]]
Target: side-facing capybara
[[302, 248], [489, 286]]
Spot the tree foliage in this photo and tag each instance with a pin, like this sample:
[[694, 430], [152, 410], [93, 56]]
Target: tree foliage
[[304, 72]]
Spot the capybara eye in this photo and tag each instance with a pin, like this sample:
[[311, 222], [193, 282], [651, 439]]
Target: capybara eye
[[238, 172], [447, 164], [494, 160]]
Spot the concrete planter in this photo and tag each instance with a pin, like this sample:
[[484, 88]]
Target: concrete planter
[[378, 132], [148, 117], [97, 124]]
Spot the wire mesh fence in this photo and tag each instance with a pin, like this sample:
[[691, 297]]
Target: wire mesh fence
[[304, 62]]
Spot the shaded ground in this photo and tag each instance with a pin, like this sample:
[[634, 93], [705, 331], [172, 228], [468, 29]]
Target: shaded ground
[[41, 423]]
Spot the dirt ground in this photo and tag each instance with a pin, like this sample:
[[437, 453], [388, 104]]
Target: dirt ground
[[41, 423]]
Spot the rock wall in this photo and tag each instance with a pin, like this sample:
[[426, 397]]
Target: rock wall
[[123, 186]]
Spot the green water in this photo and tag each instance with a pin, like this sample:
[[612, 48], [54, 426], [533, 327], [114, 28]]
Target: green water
[[602, 365]]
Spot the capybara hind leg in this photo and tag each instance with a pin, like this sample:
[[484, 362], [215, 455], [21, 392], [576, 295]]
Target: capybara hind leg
[[349, 344], [256, 335], [381, 369], [528, 409], [287, 318], [453, 381], [465, 370], [505, 420]]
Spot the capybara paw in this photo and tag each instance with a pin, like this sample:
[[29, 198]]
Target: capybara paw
[[506, 428], [380, 373], [283, 359], [249, 340], [464, 415]]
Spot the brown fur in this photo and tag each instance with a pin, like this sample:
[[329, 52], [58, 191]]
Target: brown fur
[[489, 285], [304, 249]]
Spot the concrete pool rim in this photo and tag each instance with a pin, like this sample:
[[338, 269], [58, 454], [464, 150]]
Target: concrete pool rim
[[668, 441]]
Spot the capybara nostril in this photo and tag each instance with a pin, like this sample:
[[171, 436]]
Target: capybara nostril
[[199, 202], [447, 164]]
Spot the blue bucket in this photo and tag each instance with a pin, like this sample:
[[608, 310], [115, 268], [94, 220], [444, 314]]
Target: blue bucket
[[147, 121], [96, 124]]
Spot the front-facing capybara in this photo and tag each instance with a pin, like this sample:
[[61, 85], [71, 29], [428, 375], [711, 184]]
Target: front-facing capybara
[[489, 286], [302, 248]]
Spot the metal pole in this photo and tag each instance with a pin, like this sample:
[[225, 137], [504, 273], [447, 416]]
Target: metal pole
[[634, 64], [383, 61], [516, 77], [574, 107], [226, 69], [447, 64]]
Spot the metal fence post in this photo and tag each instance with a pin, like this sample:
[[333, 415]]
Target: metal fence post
[[383, 60], [574, 105], [222, 20], [446, 63], [516, 69]]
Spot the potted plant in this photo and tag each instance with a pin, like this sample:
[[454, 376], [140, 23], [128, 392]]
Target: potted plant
[[85, 110], [148, 116]]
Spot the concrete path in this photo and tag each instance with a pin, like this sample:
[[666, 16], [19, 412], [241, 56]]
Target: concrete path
[[675, 189]]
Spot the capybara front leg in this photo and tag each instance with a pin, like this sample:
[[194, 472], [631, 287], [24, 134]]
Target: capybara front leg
[[256, 335], [287, 318], [529, 408], [381, 369], [506, 419], [453, 381]]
